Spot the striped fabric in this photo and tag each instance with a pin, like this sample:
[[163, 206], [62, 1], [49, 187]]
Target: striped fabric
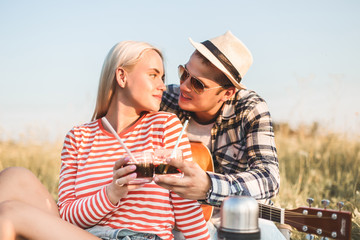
[[88, 157], [242, 146]]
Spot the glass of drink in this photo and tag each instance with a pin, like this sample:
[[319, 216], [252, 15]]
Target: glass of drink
[[144, 167], [160, 164]]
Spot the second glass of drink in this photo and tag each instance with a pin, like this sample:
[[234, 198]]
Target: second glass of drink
[[160, 164]]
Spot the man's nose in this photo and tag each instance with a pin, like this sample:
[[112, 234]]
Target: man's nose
[[186, 85]]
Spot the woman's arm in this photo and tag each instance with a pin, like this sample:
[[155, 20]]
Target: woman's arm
[[84, 212]]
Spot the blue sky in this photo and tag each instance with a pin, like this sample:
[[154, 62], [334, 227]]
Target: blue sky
[[306, 55]]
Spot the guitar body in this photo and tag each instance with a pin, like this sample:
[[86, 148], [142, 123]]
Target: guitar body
[[202, 156]]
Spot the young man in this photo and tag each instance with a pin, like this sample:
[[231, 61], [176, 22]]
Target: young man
[[233, 122]]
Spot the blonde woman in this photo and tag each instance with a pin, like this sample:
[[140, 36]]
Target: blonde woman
[[94, 193]]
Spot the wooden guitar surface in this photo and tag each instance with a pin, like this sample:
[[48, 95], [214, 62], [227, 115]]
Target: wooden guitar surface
[[202, 156]]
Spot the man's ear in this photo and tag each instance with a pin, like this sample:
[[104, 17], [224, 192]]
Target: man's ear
[[229, 92], [121, 77]]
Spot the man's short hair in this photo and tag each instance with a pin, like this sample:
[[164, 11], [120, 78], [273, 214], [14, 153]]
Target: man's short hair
[[220, 78]]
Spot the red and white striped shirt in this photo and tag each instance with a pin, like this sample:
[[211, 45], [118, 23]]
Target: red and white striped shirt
[[87, 162]]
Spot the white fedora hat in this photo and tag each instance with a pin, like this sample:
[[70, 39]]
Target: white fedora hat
[[228, 54]]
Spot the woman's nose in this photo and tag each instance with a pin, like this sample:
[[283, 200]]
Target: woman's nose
[[162, 85]]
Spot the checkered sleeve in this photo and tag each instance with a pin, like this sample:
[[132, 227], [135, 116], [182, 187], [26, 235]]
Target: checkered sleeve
[[261, 179], [170, 99]]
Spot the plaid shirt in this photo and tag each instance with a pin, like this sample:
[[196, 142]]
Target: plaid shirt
[[242, 146]]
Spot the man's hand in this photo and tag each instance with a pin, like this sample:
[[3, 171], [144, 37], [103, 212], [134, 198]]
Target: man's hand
[[193, 185]]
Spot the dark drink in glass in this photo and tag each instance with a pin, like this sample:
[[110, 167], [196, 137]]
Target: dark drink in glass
[[160, 164], [144, 167]]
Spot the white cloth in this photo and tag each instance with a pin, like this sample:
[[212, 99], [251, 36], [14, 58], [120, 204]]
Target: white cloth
[[268, 231], [197, 132]]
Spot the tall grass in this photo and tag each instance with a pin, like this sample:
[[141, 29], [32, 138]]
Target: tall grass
[[42, 159], [321, 165], [313, 163]]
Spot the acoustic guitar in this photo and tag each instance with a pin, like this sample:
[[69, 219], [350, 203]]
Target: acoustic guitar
[[322, 222], [202, 156]]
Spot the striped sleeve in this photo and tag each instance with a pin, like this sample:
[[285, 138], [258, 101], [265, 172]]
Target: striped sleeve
[[189, 218], [83, 212]]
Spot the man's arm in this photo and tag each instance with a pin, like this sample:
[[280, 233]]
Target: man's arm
[[261, 180]]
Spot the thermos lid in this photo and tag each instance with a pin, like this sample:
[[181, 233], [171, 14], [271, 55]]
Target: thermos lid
[[239, 214]]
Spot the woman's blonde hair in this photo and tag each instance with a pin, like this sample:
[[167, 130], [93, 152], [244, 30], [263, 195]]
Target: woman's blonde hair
[[124, 54]]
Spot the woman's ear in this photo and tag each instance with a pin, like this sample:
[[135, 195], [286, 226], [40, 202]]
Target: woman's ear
[[121, 77]]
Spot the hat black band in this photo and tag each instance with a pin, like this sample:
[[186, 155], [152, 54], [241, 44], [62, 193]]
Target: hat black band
[[223, 59]]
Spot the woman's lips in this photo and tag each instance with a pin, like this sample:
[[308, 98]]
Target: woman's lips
[[158, 96]]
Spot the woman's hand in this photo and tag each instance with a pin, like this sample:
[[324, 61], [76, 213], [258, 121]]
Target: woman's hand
[[118, 188]]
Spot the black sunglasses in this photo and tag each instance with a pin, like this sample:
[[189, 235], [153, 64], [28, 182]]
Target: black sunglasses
[[196, 84]]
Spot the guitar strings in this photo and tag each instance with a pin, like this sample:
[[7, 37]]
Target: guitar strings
[[297, 214], [296, 220], [275, 213], [270, 212]]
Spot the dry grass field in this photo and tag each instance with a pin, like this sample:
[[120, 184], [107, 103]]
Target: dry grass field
[[320, 165], [313, 163]]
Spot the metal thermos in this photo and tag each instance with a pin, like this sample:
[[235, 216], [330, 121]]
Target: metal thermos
[[239, 219]]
